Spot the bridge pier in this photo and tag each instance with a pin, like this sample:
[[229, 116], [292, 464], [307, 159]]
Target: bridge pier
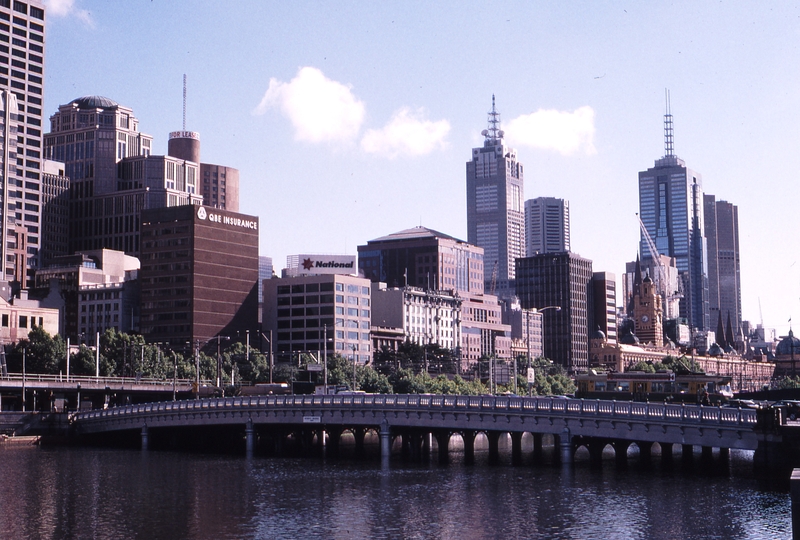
[[621, 453], [596, 447], [468, 436], [645, 452], [565, 448], [666, 453], [537, 447], [334, 436], [358, 434], [386, 439], [250, 437], [145, 438], [494, 451], [443, 443], [516, 448], [687, 455]]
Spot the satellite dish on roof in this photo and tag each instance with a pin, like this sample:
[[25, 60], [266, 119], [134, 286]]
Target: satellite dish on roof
[[485, 132], [501, 133]]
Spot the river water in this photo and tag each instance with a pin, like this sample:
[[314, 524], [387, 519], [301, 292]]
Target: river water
[[100, 493]]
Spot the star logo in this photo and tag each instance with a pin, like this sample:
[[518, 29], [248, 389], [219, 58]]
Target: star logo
[[308, 264]]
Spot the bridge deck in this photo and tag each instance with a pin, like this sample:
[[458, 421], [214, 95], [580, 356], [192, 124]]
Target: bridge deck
[[657, 422]]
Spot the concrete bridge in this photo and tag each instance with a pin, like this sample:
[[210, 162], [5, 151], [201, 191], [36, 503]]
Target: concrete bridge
[[573, 423], [37, 392]]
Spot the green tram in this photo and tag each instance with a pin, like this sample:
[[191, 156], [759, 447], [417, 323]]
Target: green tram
[[660, 386]]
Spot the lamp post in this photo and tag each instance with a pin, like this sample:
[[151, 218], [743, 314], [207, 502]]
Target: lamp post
[[269, 342], [219, 361], [539, 310], [354, 347]]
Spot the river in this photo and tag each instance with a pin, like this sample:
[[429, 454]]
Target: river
[[62, 492]]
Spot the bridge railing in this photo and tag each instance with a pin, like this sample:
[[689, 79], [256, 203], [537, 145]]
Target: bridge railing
[[85, 380], [598, 409]]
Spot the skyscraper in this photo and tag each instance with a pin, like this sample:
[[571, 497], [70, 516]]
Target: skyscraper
[[722, 232], [562, 280], [671, 209], [495, 212], [22, 32], [112, 175], [546, 225]]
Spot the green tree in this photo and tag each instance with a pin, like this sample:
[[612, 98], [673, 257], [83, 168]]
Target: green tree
[[43, 353], [372, 382], [642, 366], [551, 379]]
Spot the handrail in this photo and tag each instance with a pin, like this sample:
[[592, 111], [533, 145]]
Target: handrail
[[618, 410], [42, 377]]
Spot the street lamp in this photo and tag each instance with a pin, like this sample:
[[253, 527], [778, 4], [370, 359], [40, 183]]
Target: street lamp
[[219, 361], [354, 347], [269, 342], [532, 312]]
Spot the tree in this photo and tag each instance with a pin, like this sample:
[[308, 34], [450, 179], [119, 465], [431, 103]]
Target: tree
[[372, 382], [551, 379], [642, 366], [44, 354]]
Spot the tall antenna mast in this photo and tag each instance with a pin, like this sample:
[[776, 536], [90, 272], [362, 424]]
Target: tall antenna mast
[[669, 149], [184, 102], [494, 132]]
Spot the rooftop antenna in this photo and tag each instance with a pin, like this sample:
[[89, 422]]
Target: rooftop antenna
[[493, 133], [669, 149], [184, 102]]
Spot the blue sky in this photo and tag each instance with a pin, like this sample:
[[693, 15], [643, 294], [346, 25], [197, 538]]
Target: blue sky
[[352, 120]]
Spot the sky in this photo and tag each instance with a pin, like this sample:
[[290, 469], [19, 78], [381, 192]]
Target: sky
[[349, 121]]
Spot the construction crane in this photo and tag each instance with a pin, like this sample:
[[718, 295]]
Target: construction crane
[[661, 274], [494, 279]]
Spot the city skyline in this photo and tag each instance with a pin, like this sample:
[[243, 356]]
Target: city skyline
[[327, 183]]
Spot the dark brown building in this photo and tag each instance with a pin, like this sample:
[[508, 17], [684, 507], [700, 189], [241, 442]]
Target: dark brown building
[[199, 274]]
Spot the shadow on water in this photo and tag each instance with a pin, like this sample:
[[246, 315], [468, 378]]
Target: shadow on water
[[79, 492]]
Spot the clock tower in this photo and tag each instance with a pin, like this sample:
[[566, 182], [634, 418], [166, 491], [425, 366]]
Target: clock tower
[[647, 310]]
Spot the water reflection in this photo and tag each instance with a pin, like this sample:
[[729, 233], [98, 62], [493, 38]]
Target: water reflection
[[80, 493]]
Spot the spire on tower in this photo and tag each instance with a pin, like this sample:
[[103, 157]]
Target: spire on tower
[[669, 149], [184, 102], [493, 133]]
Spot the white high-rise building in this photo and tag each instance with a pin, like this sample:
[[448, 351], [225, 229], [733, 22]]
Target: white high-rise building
[[495, 212], [22, 40], [546, 225]]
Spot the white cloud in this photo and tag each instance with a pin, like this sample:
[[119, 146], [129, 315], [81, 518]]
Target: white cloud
[[66, 8], [562, 131], [408, 133], [319, 108]]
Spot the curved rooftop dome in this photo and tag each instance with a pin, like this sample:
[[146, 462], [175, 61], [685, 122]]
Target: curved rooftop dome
[[788, 346], [95, 102]]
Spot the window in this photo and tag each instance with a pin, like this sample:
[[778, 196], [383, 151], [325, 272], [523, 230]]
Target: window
[[23, 321], [5, 321]]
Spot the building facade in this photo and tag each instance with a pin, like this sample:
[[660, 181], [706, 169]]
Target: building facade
[[104, 279], [113, 176], [313, 313], [425, 317], [495, 210], [604, 305], [560, 280], [424, 258], [672, 211], [724, 285], [546, 225], [22, 42], [199, 275]]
